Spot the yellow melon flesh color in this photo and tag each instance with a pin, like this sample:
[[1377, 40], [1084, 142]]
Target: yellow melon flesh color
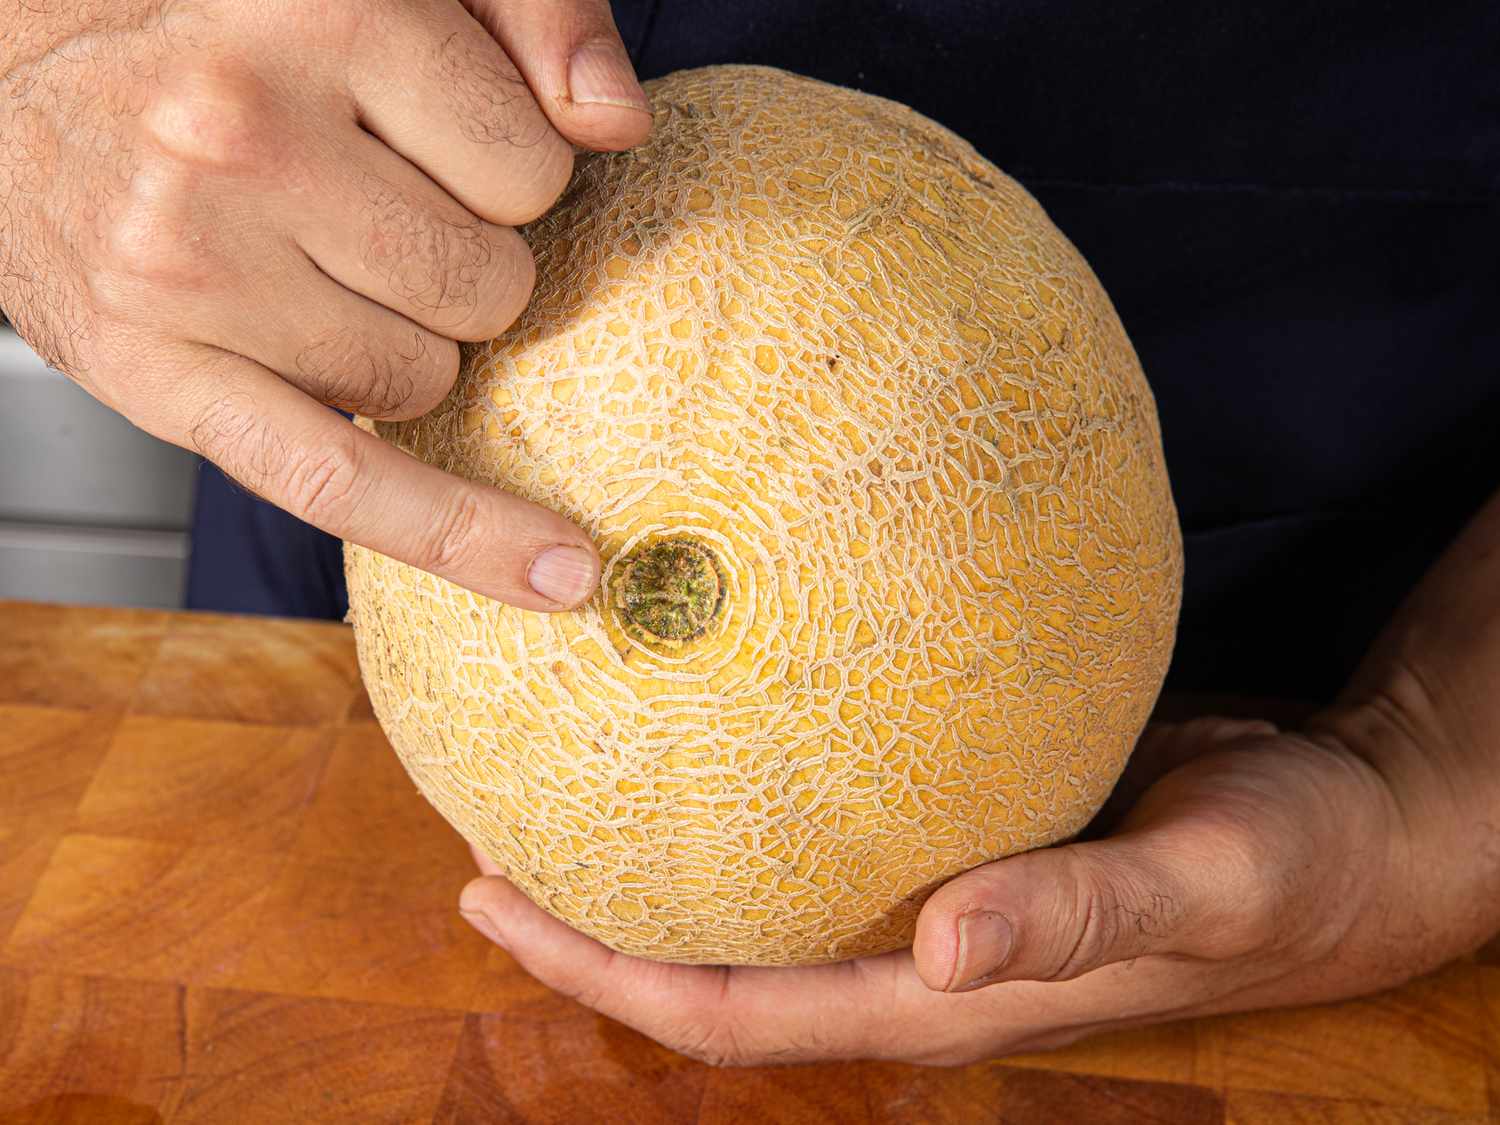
[[816, 338]]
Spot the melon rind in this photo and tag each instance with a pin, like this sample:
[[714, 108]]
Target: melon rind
[[815, 332]]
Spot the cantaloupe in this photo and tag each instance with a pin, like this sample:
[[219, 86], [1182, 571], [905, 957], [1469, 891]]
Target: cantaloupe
[[891, 564]]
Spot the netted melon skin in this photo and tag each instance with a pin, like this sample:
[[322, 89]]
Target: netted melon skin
[[817, 333]]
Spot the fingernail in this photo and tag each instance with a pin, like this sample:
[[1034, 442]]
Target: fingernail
[[600, 74], [562, 574], [984, 941], [481, 923]]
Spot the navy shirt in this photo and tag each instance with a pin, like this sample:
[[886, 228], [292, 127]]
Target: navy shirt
[[1296, 210]]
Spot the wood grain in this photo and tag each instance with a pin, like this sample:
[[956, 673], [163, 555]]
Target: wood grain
[[1168, 1053], [91, 659], [251, 670], [364, 784], [380, 929], [193, 781], [1254, 1107], [263, 1057], [138, 908], [222, 900], [562, 1066], [47, 757], [1419, 1046], [98, 1048], [1489, 995]]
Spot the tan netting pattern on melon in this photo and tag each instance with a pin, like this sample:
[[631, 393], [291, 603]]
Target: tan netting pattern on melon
[[860, 366]]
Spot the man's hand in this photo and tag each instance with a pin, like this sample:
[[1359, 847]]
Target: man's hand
[[1261, 868], [219, 216], [1240, 878]]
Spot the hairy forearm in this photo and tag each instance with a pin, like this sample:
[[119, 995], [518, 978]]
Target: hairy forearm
[[1424, 710]]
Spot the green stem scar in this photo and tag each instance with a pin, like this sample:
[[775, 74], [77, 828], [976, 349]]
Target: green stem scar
[[671, 590]]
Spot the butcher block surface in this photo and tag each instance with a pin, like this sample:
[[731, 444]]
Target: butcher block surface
[[222, 900]]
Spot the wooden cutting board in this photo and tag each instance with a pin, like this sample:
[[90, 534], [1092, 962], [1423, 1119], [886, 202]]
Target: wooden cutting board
[[221, 900]]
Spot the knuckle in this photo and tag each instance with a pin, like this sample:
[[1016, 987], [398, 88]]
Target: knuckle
[[458, 274], [152, 237], [457, 536], [232, 434], [214, 117], [1098, 918], [488, 96], [339, 370], [1096, 927], [402, 381], [415, 376], [325, 485], [221, 427], [431, 262]]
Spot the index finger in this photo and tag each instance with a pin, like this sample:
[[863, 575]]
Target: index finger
[[306, 459]]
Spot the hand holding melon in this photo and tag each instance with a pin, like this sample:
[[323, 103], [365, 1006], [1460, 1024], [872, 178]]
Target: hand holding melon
[[222, 217], [891, 575], [890, 563], [1255, 874]]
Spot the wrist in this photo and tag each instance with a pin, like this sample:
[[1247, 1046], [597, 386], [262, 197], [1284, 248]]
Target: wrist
[[1439, 896]]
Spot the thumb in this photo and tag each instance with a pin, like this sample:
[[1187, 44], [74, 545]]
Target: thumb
[[1058, 913], [571, 56]]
